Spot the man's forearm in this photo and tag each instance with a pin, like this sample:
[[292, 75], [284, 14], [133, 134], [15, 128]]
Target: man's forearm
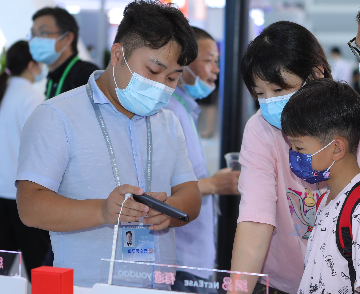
[[47, 210], [206, 186], [187, 198]]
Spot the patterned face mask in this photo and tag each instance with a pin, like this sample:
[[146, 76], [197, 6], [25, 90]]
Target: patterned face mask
[[301, 166]]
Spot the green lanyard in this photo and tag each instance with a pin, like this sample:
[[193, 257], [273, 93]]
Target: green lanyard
[[62, 79], [178, 98]]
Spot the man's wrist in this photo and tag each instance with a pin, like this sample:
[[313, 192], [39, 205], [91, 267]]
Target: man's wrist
[[207, 186]]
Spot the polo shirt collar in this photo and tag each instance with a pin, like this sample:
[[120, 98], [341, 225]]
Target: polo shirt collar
[[190, 102], [99, 96]]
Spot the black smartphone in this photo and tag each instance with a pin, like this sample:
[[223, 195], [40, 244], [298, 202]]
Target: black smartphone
[[162, 207]]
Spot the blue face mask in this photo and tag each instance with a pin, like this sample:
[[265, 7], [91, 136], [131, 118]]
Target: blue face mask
[[272, 108], [43, 49], [200, 89], [301, 166], [142, 96]]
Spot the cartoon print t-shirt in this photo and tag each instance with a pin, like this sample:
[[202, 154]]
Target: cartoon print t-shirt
[[326, 270], [272, 194]]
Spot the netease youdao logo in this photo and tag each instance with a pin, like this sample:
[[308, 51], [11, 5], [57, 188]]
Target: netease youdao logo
[[239, 285], [167, 278]]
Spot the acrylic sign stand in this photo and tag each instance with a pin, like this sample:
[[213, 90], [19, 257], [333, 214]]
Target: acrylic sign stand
[[136, 276], [7, 259], [10, 275]]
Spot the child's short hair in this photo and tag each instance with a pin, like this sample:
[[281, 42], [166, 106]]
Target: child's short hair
[[322, 109]]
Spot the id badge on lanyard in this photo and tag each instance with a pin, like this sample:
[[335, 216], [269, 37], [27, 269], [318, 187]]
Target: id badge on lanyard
[[137, 239], [138, 243]]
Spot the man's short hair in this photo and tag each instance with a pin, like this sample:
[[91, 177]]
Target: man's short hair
[[201, 34], [128, 232], [358, 18], [153, 25], [64, 20], [323, 109]]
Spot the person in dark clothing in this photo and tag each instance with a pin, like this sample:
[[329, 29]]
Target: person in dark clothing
[[54, 37]]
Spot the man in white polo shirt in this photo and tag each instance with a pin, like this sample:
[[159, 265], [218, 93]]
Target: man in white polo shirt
[[79, 146]]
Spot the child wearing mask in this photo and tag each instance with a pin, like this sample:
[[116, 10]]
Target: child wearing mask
[[277, 209], [322, 123]]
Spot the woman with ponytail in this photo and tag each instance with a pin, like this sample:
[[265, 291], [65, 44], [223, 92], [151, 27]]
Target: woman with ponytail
[[18, 99]]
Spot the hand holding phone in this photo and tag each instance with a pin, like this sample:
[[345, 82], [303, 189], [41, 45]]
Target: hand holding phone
[[162, 207]]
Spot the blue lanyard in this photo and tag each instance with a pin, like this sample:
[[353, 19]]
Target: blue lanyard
[[110, 147]]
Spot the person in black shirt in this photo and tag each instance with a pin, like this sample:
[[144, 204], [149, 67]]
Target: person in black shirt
[[54, 37]]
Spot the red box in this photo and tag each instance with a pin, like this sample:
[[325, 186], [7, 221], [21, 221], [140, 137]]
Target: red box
[[52, 280]]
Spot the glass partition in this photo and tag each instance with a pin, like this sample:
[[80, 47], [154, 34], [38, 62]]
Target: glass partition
[[163, 277], [7, 259]]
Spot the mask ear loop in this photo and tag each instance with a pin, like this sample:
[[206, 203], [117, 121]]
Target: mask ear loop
[[122, 49], [323, 148], [61, 37], [330, 167], [190, 71]]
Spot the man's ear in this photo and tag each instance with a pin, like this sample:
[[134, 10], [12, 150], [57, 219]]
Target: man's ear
[[69, 38], [318, 72], [116, 54], [340, 149]]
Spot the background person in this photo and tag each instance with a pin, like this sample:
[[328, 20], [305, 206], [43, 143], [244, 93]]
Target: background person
[[341, 68], [54, 37], [354, 43], [66, 181], [18, 99], [197, 82], [277, 209]]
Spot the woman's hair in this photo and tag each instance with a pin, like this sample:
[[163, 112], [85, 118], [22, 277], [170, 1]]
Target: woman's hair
[[17, 59], [283, 46]]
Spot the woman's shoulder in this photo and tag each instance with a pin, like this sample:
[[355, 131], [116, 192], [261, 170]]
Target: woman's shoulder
[[260, 129]]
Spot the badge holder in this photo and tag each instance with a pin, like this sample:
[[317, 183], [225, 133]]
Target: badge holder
[[137, 242], [149, 275], [7, 259]]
